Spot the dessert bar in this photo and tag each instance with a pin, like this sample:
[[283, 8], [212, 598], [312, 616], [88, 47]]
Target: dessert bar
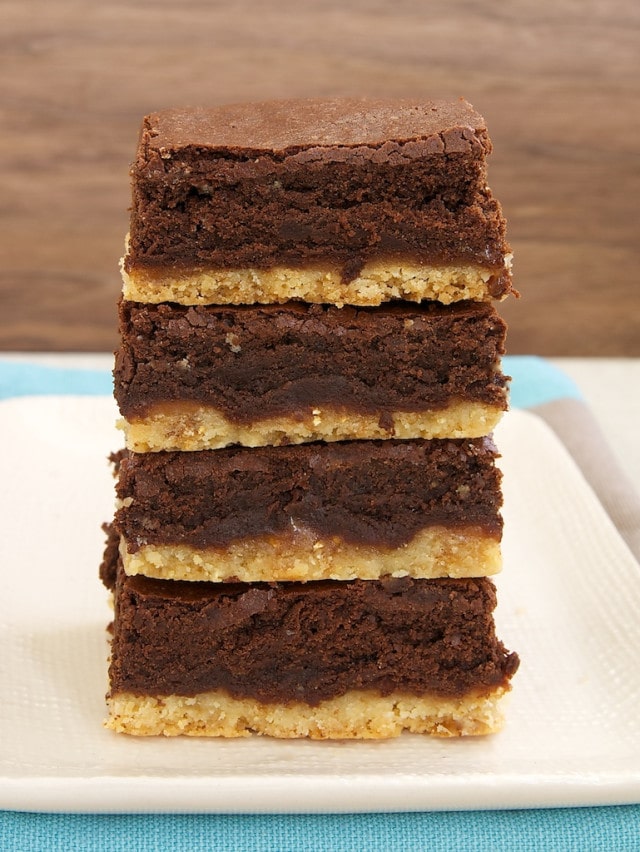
[[204, 377], [341, 201], [314, 511], [328, 659]]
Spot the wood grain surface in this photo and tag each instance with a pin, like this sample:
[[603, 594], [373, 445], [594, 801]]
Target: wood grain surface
[[557, 80]]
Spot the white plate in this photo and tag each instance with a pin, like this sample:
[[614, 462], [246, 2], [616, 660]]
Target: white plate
[[569, 602]]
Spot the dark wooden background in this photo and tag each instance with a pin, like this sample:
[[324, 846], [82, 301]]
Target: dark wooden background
[[557, 80]]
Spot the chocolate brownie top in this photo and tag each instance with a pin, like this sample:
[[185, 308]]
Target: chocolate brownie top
[[306, 641], [279, 126], [337, 183]]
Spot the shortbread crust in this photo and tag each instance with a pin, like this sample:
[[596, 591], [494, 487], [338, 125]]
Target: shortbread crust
[[304, 555], [376, 283], [360, 714], [186, 426]]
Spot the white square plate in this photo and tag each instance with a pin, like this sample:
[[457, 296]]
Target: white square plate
[[569, 599]]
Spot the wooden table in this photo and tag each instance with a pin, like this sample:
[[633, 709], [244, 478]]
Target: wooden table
[[556, 80]]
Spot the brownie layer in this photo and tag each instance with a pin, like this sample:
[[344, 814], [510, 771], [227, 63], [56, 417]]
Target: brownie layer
[[308, 642], [358, 714], [331, 185], [295, 370], [374, 492]]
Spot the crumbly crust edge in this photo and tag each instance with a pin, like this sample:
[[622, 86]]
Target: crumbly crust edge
[[359, 714], [307, 555], [191, 426], [377, 283]]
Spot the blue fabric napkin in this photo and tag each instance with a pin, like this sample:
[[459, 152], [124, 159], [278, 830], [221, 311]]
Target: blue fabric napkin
[[610, 829], [536, 385]]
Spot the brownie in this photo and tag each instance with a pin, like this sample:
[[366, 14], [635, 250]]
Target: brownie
[[365, 492], [253, 362], [280, 642], [330, 182]]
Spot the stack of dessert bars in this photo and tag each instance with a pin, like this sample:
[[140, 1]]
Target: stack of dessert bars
[[308, 376]]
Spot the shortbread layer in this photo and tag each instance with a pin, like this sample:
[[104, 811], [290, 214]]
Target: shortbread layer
[[283, 643], [205, 377], [354, 498], [376, 283], [345, 188], [356, 715], [304, 554], [190, 426]]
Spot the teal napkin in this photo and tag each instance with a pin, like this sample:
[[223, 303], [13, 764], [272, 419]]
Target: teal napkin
[[611, 829], [537, 386]]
